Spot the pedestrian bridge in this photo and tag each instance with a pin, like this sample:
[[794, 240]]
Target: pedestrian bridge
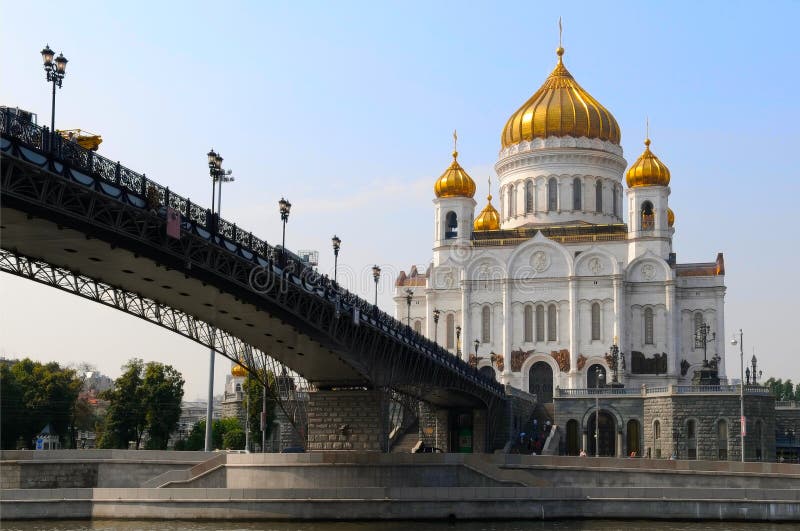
[[82, 223]]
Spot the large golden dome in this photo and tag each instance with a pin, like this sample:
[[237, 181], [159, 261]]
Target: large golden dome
[[647, 170], [488, 219], [238, 370], [454, 182], [560, 108]]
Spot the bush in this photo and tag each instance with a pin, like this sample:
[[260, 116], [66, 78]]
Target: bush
[[233, 440]]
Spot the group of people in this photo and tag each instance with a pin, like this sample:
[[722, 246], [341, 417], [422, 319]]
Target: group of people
[[533, 443]]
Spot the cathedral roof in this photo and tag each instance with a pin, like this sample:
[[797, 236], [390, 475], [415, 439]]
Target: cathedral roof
[[648, 170], [561, 107], [238, 370], [454, 182], [489, 218]]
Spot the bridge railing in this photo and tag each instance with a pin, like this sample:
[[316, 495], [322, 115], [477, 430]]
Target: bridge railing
[[157, 197]]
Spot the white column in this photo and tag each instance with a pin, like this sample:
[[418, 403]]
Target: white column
[[573, 331], [508, 323], [429, 305], [672, 352]]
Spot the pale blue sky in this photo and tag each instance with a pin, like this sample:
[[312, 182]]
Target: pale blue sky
[[347, 109]]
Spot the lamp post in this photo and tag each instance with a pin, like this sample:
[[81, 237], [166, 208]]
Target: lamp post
[[742, 419], [218, 174], [436, 314], [376, 275], [458, 342], [337, 244], [284, 206], [56, 70], [614, 353], [409, 298], [600, 375], [703, 336], [477, 343]]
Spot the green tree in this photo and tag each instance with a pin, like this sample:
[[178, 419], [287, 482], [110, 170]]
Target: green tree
[[34, 395], [144, 398], [219, 428], [234, 440], [162, 392], [253, 395]]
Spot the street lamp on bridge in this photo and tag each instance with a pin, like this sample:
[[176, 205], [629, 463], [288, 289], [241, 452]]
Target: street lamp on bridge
[[376, 275], [436, 314], [337, 243], [477, 344], [458, 342], [284, 206], [56, 70], [218, 174], [409, 298]]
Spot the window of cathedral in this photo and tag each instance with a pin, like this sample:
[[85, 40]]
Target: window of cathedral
[[451, 225], [529, 197], [722, 440], [510, 200], [595, 376], [595, 322], [598, 197], [528, 324], [418, 327], [486, 324], [450, 326], [616, 201], [540, 323], [648, 326], [552, 323], [648, 217], [577, 194], [552, 194]]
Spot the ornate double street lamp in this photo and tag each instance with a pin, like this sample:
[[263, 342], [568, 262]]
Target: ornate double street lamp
[[376, 275], [436, 314], [218, 174], [613, 352], [56, 70], [599, 374], [702, 337], [337, 244], [458, 342], [742, 419], [477, 344], [284, 206], [409, 298]]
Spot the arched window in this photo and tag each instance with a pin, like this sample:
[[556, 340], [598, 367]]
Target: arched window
[[648, 326], [238, 388], [552, 323], [595, 321], [529, 197], [691, 439], [552, 194], [698, 324], [577, 194], [486, 324], [648, 217], [616, 201], [598, 196], [418, 327], [451, 225], [528, 324], [596, 376], [722, 440], [450, 323], [657, 438], [510, 200], [514, 201], [540, 323]]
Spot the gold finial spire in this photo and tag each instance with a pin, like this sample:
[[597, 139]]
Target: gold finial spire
[[647, 131], [560, 49], [489, 197], [455, 144]]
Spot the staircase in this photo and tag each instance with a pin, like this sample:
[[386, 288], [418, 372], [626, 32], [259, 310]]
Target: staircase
[[406, 442]]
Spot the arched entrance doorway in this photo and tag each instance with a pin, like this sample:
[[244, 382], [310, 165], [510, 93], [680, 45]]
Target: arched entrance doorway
[[596, 376], [487, 372], [607, 435], [573, 438], [634, 436], [540, 382]]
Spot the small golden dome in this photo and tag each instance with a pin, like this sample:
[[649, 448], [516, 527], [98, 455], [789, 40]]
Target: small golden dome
[[489, 218], [647, 170], [454, 182], [560, 108], [670, 217], [238, 370]]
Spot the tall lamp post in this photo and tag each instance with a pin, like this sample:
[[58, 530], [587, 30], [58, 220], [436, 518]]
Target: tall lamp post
[[477, 344], [599, 375], [376, 276], [614, 353], [218, 174], [409, 298], [702, 337], [56, 70], [742, 419], [337, 244], [458, 342], [436, 314], [284, 206]]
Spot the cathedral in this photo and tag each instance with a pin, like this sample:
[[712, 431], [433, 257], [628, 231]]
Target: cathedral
[[558, 286]]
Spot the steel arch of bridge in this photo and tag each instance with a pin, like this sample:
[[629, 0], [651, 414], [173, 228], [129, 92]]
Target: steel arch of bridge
[[46, 177]]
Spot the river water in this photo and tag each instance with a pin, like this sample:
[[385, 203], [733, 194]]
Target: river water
[[517, 525]]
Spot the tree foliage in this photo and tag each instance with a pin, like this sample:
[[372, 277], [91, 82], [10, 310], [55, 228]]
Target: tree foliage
[[783, 390], [144, 398], [220, 428], [33, 395]]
